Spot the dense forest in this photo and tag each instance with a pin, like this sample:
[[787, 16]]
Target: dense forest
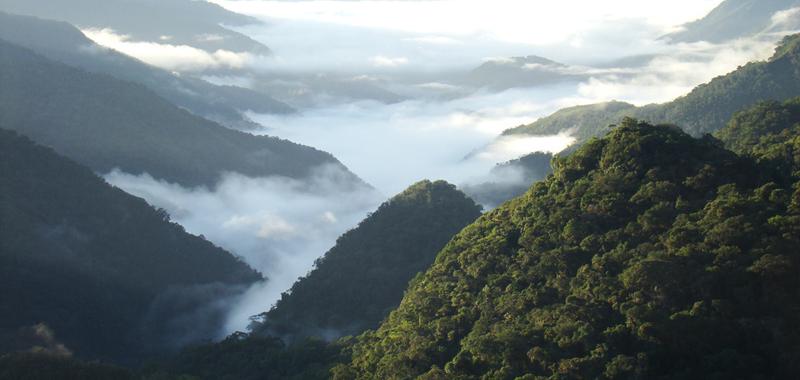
[[704, 110], [647, 254], [363, 277], [105, 123], [106, 275]]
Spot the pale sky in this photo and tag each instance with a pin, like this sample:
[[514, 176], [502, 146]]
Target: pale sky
[[516, 21]]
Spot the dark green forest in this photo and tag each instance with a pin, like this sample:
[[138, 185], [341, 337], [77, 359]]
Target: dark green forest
[[363, 277], [704, 110], [647, 254], [108, 274], [105, 123]]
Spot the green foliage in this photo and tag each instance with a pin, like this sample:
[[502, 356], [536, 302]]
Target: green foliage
[[704, 110], [104, 123], [647, 254], [102, 268], [770, 132], [354, 285], [29, 366], [241, 357]]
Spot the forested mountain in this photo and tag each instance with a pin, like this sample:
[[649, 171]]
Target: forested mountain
[[704, 110], [510, 179], [105, 123], [734, 19], [647, 254], [355, 284], [530, 71], [110, 275], [64, 43], [175, 22]]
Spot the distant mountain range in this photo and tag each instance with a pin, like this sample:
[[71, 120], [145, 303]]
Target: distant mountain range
[[110, 276], [105, 123], [176, 22], [531, 71], [704, 110], [64, 43], [739, 18]]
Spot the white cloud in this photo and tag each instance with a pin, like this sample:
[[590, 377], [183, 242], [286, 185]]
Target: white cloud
[[278, 225], [166, 56], [383, 61]]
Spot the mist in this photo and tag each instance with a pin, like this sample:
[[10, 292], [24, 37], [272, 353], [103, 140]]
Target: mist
[[277, 225], [435, 128]]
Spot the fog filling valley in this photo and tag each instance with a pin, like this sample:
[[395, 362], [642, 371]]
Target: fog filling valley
[[437, 130]]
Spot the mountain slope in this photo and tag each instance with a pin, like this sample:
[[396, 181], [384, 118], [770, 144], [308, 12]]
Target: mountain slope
[[105, 123], [355, 284], [704, 110], [180, 22], [733, 19], [530, 71], [108, 273], [64, 43], [647, 254]]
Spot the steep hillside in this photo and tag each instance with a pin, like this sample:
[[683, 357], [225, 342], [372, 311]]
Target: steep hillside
[[111, 276], [105, 123], [647, 254], [355, 284], [704, 110], [64, 43], [179, 22], [733, 19]]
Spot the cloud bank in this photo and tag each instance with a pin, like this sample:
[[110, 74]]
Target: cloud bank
[[278, 225], [170, 57]]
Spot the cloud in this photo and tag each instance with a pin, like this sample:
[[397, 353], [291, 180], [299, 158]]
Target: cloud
[[170, 57], [383, 61], [278, 225]]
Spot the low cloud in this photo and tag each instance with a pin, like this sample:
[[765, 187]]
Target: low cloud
[[278, 225], [167, 56], [383, 61]]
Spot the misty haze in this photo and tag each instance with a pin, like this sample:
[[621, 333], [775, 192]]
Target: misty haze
[[399, 189]]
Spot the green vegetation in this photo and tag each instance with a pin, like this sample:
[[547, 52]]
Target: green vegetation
[[704, 110], [647, 254], [354, 285], [111, 276], [104, 123], [510, 179], [30, 366], [242, 357]]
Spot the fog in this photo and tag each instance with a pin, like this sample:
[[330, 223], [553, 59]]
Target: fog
[[278, 225], [443, 130]]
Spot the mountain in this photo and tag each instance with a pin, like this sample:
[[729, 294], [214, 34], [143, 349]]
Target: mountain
[[105, 123], [355, 284], [510, 179], [530, 71], [175, 22], [64, 43], [770, 132], [99, 272], [647, 254], [734, 19], [704, 110]]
